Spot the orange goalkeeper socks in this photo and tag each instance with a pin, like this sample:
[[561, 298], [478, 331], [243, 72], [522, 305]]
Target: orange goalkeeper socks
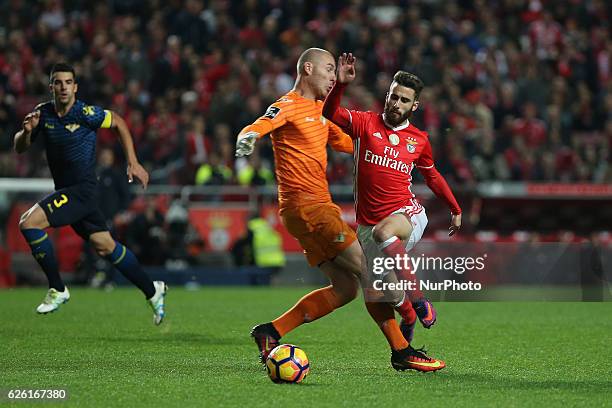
[[384, 315], [311, 307]]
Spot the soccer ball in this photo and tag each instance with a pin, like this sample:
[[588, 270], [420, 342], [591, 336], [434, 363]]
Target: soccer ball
[[287, 364]]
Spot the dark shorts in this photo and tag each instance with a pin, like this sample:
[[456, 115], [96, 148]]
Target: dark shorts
[[76, 206]]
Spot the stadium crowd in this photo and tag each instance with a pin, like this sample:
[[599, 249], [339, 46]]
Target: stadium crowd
[[515, 89]]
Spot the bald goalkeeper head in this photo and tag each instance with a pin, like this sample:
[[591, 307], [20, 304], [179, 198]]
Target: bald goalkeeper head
[[316, 73]]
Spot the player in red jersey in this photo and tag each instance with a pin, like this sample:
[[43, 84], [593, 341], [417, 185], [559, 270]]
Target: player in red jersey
[[390, 219]]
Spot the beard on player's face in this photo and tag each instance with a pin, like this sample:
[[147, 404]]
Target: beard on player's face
[[394, 116]]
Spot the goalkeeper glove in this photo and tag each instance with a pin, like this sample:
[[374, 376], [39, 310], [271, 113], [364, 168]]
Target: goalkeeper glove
[[246, 143]]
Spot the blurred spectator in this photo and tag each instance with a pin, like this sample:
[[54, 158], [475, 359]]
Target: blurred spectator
[[177, 224], [190, 25], [198, 146], [260, 246], [146, 235], [252, 172], [338, 172], [113, 198], [113, 185], [531, 129], [214, 173]]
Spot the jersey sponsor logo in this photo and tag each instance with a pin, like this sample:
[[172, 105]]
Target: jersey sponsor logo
[[285, 100], [394, 139], [88, 110], [309, 119], [377, 135], [272, 112], [72, 127], [49, 126], [386, 161]]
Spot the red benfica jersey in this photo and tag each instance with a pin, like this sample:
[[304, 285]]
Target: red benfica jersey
[[384, 159]]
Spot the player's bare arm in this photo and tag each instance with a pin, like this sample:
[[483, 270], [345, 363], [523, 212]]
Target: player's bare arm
[[134, 168], [22, 140]]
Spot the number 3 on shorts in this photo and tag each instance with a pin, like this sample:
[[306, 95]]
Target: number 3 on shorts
[[58, 202]]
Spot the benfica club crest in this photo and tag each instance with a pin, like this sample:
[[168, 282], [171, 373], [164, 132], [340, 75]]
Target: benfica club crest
[[411, 146]]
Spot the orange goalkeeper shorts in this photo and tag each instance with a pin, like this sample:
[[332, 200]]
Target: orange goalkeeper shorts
[[320, 230]]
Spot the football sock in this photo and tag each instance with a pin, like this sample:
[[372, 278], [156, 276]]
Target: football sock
[[125, 261], [42, 250], [384, 316], [314, 305], [406, 310], [392, 248]]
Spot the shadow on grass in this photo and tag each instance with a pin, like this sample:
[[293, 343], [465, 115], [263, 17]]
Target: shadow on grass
[[300, 385], [509, 383], [174, 338]]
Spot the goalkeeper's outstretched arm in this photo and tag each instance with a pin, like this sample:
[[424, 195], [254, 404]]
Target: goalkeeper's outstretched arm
[[276, 116]]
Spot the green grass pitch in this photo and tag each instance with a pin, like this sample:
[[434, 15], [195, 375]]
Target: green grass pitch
[[105, 351]]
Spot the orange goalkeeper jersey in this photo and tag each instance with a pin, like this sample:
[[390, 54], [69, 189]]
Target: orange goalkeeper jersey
[[300, 135]]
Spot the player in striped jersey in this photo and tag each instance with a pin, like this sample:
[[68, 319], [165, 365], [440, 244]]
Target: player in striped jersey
[[390, 220], [300, 135], [67, 128]]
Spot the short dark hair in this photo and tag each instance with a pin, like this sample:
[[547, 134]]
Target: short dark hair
[[409, 80], [62, 67]]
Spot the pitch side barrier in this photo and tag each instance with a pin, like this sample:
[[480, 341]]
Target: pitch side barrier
[[518, 240]]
